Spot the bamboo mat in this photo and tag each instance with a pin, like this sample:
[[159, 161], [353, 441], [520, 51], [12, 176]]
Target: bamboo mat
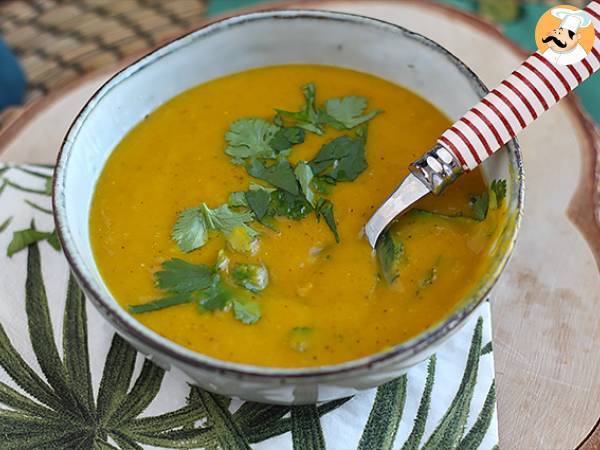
[[57, 41]]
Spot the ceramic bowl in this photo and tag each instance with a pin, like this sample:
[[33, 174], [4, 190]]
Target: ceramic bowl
[[237, 44]]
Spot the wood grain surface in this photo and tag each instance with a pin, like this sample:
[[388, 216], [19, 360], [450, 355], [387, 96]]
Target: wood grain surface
[[546, 318]]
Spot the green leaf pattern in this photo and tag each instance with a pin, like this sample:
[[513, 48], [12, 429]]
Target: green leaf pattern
[[85, 397]]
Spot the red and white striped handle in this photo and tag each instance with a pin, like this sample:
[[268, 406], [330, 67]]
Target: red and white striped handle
[[530, 90]]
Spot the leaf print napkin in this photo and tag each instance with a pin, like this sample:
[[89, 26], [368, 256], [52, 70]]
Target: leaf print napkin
[[69, 382]]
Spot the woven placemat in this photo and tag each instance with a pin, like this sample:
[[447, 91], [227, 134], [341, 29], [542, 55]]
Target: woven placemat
[[57, 41]]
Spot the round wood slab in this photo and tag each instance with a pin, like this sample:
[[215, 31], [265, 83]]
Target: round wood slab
[[545, 308]]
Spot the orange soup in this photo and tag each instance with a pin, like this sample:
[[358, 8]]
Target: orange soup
[[229, 220]]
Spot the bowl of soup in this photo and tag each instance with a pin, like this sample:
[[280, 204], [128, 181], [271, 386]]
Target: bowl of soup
[[210, 199]]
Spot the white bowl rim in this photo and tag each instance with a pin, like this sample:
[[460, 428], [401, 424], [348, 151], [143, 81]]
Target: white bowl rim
[[129, 326]]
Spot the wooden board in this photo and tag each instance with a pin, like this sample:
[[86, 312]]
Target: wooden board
[[545, 311]]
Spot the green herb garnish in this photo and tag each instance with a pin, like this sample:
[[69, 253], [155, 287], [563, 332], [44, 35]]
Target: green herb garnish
[[280, 174], [308, 118], [173, 300], [179, 276], [253, 277], [299, 338], [342, 159], [250, 138], [193, 224], [480, 205], [497, 193], [285, 138], [246, 311], [208, 287], [347, 112], [390, 254], [258, 201], [304, 175], [325, 208]]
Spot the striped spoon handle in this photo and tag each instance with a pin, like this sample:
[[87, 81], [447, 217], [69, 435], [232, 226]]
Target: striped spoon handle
[[535, 86]]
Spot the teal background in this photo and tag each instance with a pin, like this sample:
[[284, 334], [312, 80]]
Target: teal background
[[518, 28], [12, 79]]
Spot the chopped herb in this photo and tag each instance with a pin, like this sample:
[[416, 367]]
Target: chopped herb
[[217, 296], [287, 205], [299, 338], [246, 311], [237, 200], [480, 205], [390, 254], [280, 175], [250, 138], [429, 278], [192, 225], [422, 213], [23, 238], [285, 138], [308, 118], [342, 159], [258, 201], [304, 175], [222, 261], [497, 193], [242, 239], [325, 208], [177, 299], [189, 231], [179, 276], [323, 185], [253, 277], [347, 112]]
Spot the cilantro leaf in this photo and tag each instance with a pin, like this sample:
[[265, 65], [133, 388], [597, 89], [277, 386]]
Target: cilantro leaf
[[288, 205], [480, 205], [217, 296], [308, 118], [222, 262], [325, 208], [189, 231], [253, 277], [390, 254], [304, 175], [258, 201], [191, 228], [323, 185], [250, 138], [155, 305], [300, 338], [342, 159], [223, 218], [286, 137], [246, 311], [347, 112], [237, 200], [280, 175], [22, 239], [497, 193], [179, 276]]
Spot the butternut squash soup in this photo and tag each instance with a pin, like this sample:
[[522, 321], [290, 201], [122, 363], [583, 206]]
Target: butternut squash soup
[[229, 220]]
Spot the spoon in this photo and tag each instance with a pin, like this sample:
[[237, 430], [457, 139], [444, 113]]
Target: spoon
[[535, 86]]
